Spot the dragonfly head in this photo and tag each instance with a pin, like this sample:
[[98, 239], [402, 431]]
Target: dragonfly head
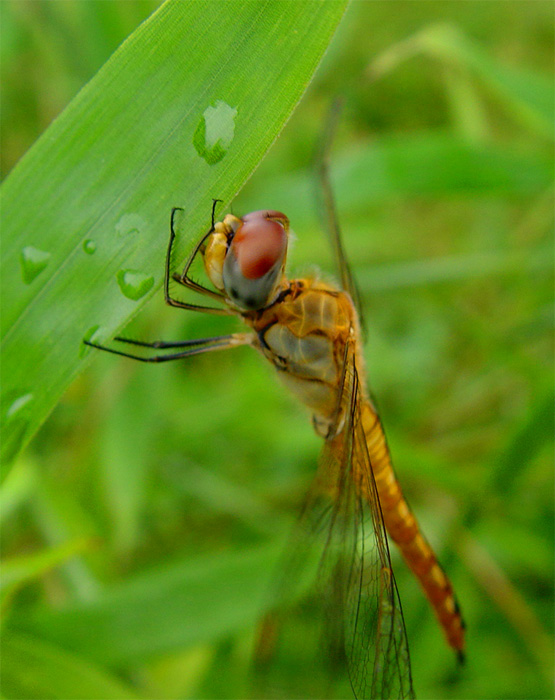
[[245, 258]]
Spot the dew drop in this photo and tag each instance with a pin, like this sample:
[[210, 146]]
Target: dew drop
[[215, 132], [130, 225], [134, 284], [90, 335], [33, 261], [89, 246], [16, 407]]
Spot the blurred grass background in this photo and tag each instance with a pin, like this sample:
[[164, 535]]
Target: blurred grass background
[[141, 525]]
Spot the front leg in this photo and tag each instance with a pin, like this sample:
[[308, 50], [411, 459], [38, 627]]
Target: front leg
[[186, 281]]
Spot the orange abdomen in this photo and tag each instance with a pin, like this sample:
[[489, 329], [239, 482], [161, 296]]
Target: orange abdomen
[[405, 532]]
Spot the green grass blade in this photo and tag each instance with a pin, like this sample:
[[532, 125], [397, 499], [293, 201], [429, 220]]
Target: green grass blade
[[527, 96], [432, 163], [18, 571], [188, 602], [529, 438], [181, 113], [33, 669]]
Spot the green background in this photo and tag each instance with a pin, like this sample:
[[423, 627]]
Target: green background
[[141, 524]]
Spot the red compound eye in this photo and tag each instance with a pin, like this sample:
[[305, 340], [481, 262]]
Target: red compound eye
[[259, 243], [265, 214]]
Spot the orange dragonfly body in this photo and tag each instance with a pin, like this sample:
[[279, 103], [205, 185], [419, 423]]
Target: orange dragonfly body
[[309, 330]]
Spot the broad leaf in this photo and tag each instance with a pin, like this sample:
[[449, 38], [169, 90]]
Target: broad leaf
[[181, 113]]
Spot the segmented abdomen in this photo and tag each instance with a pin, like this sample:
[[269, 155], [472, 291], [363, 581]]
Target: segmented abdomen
[[405, 532]]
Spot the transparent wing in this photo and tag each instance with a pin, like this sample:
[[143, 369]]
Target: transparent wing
[[355, 639], [328, 212], [358, 567]]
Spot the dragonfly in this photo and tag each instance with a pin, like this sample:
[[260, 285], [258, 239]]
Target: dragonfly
[[310, 331]]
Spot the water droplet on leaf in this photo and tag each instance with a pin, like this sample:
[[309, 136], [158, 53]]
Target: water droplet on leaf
[[17, 406], [89, 246], [130, 225], [215, 132], [33, 261], [134, 284]]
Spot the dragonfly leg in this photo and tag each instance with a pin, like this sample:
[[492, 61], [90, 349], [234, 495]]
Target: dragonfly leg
[[194, 347], [163, 344], [186, 281]]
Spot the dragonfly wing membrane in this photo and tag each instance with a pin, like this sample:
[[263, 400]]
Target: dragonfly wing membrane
[[380, 624], [356, 636], [328, 210], [376, 647]]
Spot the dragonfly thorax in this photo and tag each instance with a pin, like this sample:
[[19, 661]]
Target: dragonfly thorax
[[245, 258]]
